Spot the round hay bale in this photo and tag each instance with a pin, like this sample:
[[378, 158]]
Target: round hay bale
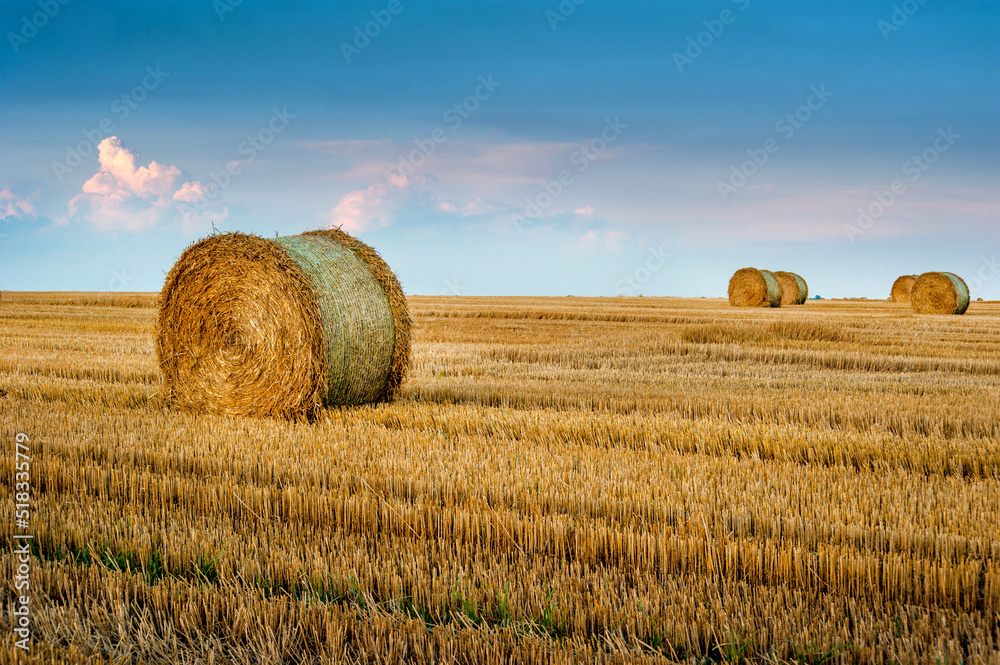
[[281, 327], [901, 288], [939, 293], [750, 287], [794, 290], [803, 288]]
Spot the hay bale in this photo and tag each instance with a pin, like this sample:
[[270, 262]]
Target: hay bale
[[939, 293], [750, 287], [901, 288], [794, 290], [803, 288], [789, 288], [281, 327]]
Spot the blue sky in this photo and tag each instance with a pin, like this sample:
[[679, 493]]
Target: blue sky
[[524, 148]]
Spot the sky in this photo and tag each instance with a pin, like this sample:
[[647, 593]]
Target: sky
[[573, 147]]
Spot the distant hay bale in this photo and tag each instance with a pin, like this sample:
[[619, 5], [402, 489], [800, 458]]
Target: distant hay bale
[[803, 288], [794, 290], [789, 288], [281, 327], [750, 287], [901, 288], [939, 293]]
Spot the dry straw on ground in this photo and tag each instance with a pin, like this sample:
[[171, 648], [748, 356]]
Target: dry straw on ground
[[901, 288], [750, 287], [794, 290], [282, 327], [939, 293], [819, 484]]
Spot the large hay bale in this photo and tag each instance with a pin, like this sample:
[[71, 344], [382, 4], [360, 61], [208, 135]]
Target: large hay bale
[[901, 288], [750, 287], [281, 327], [939, 293], [794, 290]]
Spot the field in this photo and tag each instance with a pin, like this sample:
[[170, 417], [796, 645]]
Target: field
[[562, 480]]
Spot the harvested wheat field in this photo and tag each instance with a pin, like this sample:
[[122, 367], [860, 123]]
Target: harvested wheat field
[[559, 480]]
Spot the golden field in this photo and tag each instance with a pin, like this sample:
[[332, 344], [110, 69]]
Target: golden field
[[562, 480]]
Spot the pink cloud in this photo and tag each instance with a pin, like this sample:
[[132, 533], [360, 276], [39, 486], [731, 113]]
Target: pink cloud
[[118, 170], [122, 195], [376, 206], [381, 204], [190, 192]]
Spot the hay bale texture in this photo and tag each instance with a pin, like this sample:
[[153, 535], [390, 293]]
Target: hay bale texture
[[281, 327], [901, 288], [750, 287], [794, 289], [939, 293]]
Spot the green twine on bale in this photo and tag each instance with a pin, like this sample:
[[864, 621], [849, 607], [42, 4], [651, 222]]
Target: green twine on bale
[[356, 317], [773, 287], [803, 288], [961, 290]]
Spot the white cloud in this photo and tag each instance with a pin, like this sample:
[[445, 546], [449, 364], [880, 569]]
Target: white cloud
[[609, 241], [122, 195], [587, 211], [12, 205], [475, 207], [382, 204]]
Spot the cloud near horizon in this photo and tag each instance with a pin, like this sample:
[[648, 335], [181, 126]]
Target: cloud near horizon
[[384, 203], [484, 180], [122, 195]]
